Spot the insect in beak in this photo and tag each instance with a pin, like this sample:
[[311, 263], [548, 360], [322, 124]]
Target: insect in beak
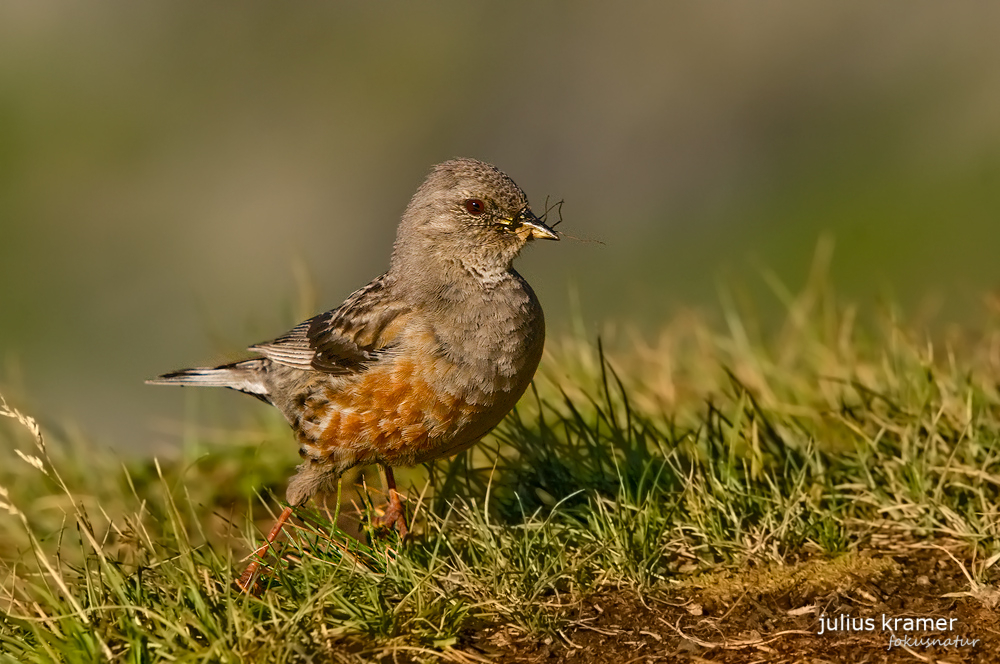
[[537, 230]]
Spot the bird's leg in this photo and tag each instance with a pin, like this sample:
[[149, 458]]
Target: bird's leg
[[395, 511], [245, 582]]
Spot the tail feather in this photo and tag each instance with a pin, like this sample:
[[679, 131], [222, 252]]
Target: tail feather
[[245, 376]]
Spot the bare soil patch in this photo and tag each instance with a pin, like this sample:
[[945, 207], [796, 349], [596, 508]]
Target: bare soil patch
[[774, 615]]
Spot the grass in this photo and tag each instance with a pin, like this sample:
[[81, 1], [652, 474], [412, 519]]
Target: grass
[[715, 450]]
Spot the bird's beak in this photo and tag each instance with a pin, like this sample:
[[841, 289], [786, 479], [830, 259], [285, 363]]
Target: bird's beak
[[537, 230]]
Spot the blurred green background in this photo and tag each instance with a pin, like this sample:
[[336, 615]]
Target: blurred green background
[[175, 178]]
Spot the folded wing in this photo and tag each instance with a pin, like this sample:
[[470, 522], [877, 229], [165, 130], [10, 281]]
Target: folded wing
[[344, 340]]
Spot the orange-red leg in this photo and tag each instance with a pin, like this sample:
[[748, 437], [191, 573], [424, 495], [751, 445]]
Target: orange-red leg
[[245, 582], [395, 511]]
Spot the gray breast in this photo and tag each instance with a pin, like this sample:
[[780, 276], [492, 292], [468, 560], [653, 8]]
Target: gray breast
[[497, 334]]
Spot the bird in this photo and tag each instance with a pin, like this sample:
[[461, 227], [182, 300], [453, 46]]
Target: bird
[[419, 364]]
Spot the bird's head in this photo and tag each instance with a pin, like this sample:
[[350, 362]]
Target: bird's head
[[471, 213]]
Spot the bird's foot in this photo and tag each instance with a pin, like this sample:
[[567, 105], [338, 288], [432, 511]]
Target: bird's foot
[[249, 581], [394, 516]]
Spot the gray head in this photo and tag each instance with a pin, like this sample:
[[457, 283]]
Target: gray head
[[466, 213]]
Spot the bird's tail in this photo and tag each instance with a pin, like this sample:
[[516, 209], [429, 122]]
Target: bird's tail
[[246, 376]]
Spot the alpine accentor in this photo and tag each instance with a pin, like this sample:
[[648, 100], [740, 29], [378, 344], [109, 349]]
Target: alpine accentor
[[422, 362]]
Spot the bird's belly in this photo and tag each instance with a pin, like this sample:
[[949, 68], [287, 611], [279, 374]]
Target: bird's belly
[[401, 413]]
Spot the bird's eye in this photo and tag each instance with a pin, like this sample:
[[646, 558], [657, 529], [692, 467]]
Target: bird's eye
[[475, 206]]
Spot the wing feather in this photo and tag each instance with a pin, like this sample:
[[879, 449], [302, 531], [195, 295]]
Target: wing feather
[[346, 339]]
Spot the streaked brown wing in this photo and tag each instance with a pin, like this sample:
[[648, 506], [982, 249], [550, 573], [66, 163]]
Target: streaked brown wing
[[344, 340]]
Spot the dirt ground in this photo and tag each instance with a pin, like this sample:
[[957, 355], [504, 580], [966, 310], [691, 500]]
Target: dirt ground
[[773, 615]]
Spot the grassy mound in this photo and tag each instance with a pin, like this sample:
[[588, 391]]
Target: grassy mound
[[715, 464]]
